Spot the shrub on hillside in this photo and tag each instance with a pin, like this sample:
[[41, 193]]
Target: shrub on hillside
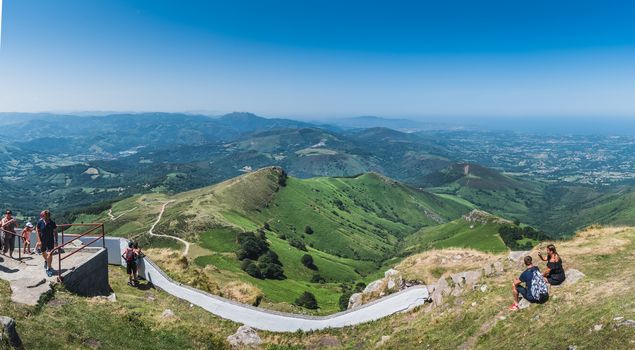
[[317, 278], [512, 234], [250, 246], [271, 271], [308, 230], [344, 298], [254, 247], [294, 242], [307, 300], [307, 260], [282, 179], [251, 268]]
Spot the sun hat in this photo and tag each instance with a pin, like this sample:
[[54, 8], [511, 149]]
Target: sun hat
[[29, 225]]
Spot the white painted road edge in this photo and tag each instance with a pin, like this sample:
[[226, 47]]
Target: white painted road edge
[[260, 318]]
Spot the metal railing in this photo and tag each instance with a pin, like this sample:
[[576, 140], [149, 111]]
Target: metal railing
[[19, 239], [94, 229]]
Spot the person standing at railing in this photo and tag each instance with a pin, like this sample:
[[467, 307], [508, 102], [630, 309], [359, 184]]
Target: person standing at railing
[[9, 224], [47, 236], [26, 236]]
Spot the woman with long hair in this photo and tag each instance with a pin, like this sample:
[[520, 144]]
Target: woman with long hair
[[554, 273]]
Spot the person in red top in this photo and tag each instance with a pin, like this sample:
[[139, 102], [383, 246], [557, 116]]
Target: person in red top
[[130, 257], [26, 236]]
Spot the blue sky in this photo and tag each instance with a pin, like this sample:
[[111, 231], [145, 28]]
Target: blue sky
[[313, 59]]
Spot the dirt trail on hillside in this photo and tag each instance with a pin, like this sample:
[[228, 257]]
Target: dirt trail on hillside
[[151, 230], [113, 218]]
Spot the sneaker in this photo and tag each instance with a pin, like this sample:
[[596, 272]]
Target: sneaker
[[131, 284], [513, 307], [49, 273]]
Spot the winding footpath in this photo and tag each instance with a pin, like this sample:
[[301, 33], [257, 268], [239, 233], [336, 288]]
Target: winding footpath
[[273, 321], [269, 320], [114, 218], [151, 230]]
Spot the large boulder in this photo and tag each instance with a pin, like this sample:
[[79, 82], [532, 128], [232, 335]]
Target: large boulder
[[374, 287], [355, 300], [9, 334], [245, 337]]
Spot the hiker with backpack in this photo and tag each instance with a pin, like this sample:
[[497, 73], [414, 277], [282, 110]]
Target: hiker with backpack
[[130, 257], [535, 289], [554, 273]]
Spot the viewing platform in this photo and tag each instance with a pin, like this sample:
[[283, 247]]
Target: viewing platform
[[80, 263]]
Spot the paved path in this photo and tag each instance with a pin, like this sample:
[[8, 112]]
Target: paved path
[[285, 322], [28, 278], [151, 230]]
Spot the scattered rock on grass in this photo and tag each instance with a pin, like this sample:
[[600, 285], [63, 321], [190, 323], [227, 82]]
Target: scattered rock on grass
[[573, 276], [523, 304], [167, 314], [625, 323], [8, 332], [382, 342], [598, 327], [245, 336]]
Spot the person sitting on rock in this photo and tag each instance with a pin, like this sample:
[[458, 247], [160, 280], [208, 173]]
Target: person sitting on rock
[[130, 257], [535, 289], [554, 273]]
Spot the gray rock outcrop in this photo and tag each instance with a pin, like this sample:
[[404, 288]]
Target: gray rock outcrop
[[355, 300], [573, 276], [8, 333], [245, 337]]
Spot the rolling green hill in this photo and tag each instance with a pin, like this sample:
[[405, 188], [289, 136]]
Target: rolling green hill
[[349, 225], [479, 231]]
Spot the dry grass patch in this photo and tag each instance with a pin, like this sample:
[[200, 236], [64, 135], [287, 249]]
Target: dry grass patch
[[431, 265], [242, 292]]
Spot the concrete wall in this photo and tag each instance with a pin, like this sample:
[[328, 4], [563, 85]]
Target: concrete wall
[[91, 277]]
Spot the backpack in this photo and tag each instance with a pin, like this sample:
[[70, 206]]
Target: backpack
[[129, 255], [539, 290]]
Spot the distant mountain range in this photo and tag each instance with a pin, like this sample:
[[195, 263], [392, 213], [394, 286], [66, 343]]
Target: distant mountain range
[[72, 162]]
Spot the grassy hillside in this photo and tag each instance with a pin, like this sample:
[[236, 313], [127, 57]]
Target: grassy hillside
[[476, 234], [350, 227], [586, 315]]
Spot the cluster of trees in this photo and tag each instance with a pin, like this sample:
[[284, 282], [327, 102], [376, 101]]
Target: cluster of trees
[[307, 260], [307, 300], [511, 234], [256, 258]]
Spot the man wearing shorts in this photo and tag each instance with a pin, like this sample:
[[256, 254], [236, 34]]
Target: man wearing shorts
[[47, 234]]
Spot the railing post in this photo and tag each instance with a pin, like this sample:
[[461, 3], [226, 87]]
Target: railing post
[[19, 247], [103, 236]]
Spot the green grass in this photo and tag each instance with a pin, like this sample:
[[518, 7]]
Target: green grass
[[460, 234], [68, 321], [219, 239], [358, 224]]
